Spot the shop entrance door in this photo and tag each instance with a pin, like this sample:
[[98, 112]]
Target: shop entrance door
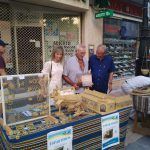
[[29, 49]]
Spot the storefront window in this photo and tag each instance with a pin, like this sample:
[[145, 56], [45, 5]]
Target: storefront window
[[61, 30], [31, 32], [120, 37]]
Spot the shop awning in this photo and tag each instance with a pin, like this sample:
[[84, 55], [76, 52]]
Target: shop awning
[[73, 5]]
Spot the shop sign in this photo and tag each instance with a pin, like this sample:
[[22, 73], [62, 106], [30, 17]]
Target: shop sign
[[111, 29], [104, 14], [125, 7], [110, 130], [60, 139]]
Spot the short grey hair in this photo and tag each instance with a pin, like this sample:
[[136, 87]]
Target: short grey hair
[[101, 46], [80, 46]]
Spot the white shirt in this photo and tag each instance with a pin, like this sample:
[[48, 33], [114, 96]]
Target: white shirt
[[56, 74], [72, 70]]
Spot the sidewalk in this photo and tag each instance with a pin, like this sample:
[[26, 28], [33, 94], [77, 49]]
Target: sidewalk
[[136, 141]]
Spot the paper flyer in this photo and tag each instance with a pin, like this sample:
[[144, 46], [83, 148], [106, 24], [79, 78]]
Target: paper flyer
[[110, 130], [60, 139]]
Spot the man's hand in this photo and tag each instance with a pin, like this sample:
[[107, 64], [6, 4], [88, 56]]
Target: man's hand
[[79, 83], [76, 86], [110, 87], [110, 82]]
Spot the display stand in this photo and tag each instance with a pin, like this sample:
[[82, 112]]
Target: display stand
[[141, 103], [24, 97], [28, 120], [145, 128], [87, 133]]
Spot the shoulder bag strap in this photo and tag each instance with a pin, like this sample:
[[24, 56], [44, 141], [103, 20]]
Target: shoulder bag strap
[[50, 73]]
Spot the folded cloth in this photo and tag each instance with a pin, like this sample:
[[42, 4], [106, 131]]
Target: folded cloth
[[135, 82]]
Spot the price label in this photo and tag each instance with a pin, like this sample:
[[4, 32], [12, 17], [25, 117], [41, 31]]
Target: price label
[[40, 75], [9, 77], [21, 77], [67, 92]]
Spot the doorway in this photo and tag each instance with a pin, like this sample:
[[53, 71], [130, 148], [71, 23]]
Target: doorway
[[29, 49]]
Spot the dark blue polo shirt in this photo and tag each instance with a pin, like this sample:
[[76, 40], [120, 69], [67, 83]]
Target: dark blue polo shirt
[[100, 70]]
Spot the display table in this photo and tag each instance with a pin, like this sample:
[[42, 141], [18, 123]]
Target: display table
[[86, 134], [141, 104]]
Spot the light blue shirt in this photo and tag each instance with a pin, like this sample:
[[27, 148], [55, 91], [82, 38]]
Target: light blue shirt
[[72, 70]]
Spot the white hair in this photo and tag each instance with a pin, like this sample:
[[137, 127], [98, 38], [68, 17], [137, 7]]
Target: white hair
[[101, 46], [79, 46]]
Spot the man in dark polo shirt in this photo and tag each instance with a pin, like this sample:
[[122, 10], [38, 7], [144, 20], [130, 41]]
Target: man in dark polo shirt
[[2, 62], [102, 68]]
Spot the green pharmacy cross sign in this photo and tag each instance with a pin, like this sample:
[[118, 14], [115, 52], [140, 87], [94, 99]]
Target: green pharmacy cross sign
[[104, 14]]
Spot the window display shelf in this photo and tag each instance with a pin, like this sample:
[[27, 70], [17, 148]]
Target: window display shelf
[[124, 54], [24, 97]]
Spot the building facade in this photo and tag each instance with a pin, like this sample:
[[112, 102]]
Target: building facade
[[32, 29], [120, 33]]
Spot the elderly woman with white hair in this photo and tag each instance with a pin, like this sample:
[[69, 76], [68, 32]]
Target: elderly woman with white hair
[[75, 67]]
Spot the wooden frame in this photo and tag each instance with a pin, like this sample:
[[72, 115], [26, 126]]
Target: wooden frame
[[3, 100], [145, 129]]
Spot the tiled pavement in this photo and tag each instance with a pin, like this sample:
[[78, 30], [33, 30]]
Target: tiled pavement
[[136, 141], [142, 143]]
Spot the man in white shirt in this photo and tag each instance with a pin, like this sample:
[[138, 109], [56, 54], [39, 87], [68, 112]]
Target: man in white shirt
[[75, 67]]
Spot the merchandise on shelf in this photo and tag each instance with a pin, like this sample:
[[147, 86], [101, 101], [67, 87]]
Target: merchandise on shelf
[[102, 103], [23, 129], [72, 102], [18, 131], [75, 112], [24, 97], [87, 132], [89, 102], [124, 55]]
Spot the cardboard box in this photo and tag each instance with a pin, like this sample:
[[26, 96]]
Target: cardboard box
[[98, 102], [103, 103], [123, 101], [97, 94]]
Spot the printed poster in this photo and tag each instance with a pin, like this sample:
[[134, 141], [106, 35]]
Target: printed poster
[[110, 130], [60, 139]]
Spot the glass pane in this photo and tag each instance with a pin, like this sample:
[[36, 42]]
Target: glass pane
[[25, 97], [61, 30]]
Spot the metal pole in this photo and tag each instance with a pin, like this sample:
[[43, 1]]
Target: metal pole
[[144, 37]]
